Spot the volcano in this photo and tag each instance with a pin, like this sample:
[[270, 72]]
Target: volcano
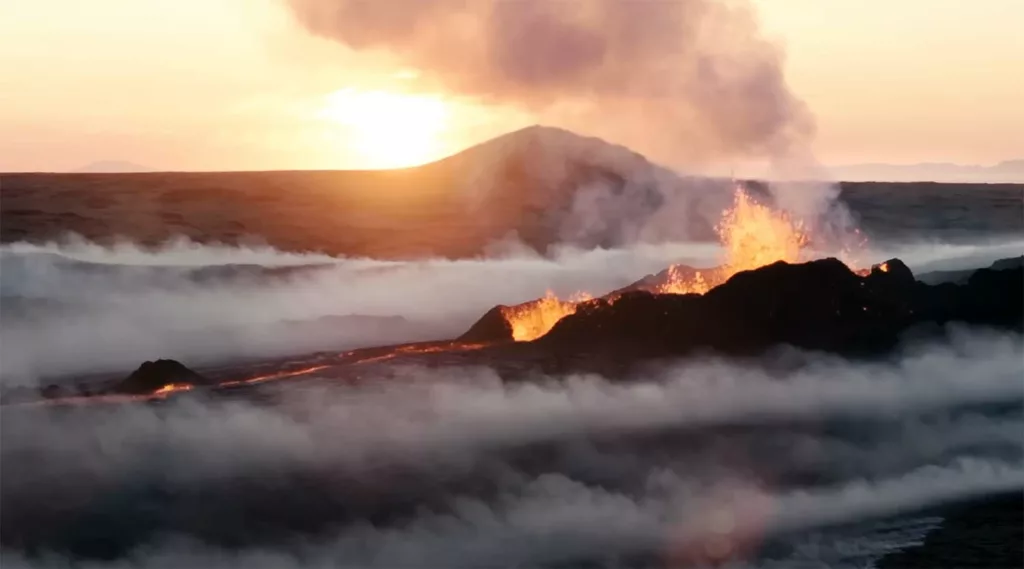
[[543, 185], [819, 305], [160, 375]]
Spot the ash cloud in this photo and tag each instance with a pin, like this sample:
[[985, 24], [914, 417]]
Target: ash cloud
[[454, 468], [693, 76], [691, 83]]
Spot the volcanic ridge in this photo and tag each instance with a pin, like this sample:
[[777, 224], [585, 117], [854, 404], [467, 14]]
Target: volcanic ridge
[[820, 305]]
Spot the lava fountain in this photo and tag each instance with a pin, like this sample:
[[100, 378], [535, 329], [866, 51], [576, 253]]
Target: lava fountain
[[533, 319], [752, 234]]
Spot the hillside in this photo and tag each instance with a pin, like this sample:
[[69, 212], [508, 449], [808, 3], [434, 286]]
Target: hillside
[[542, 185]]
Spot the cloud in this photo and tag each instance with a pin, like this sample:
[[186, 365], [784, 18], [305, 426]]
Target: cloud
[[693, 76], [452, 467], [77, 308]]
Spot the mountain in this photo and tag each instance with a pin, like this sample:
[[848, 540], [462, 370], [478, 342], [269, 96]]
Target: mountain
[[1008, 171], [543, 186], [113, 167], [580, 190]]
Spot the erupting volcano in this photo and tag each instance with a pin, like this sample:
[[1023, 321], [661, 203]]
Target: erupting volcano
[[752, 234], [533, 319]]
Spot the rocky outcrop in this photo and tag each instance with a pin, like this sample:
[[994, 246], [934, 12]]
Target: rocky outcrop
[[491, 327], [152, 376], [820, 305]]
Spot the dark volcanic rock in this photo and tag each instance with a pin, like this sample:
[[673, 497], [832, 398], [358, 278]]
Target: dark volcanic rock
[[820, 305], [651, 282], [983, 533], [492, 327], [151, 376]]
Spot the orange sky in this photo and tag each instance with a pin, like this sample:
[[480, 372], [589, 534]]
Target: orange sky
[[236, 84]]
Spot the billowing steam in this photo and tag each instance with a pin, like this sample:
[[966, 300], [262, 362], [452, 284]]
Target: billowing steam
[[451, 467], [80, 308], [691, 83], [693, 77]]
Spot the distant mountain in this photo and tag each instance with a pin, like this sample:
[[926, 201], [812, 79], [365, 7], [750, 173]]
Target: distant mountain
[[542, 187], [113, 166], [1009, 171], [580, 190]]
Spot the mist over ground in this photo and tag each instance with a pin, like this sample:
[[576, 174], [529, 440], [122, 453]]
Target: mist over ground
[[789, 458], [454, 467], [78, 307]]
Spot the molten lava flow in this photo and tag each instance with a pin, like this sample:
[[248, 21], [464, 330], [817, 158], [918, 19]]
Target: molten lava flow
[[373, 355], [272, 376], [171, 388], [753, 235], [678, 283], [533, 319], [884, 267]]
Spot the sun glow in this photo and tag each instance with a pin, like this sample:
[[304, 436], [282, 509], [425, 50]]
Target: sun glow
[[390, 130]]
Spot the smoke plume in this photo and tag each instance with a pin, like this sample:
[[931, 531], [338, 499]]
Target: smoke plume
[[695, 78]]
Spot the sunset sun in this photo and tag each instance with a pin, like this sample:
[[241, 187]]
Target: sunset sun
[[389, 130]]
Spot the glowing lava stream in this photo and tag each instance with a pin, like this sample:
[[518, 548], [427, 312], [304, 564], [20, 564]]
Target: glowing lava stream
[[753, 235], [271, 376], [171, 388]]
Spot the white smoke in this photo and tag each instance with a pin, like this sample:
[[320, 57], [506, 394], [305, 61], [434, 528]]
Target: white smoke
[[197, 304], [78, 307], [694, 79], [915, 437]]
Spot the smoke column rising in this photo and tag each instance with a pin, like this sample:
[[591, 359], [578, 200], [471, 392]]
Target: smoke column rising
[[695, 76], [693, 83]]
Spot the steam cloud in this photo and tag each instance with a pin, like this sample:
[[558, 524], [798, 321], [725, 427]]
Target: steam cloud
[[568, 470], [689, 82], [78, 307], [693, 76]]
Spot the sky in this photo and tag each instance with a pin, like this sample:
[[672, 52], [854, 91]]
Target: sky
[[240, 84]]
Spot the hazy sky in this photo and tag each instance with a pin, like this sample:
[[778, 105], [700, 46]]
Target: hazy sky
[[238, 84]]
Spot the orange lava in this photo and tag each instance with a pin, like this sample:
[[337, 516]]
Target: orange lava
[[534, 319], [272, 376], [753, 235], [371, 355], [171, 388], [678, 283]]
